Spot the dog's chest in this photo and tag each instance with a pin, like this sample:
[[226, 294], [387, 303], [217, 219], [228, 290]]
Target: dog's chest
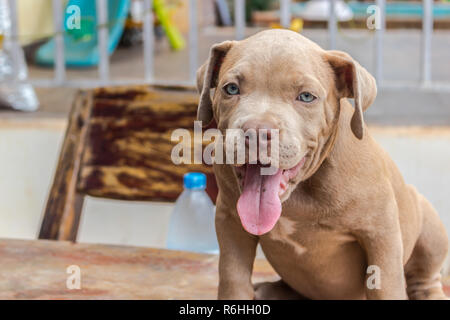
[[312, 258], [306, 236], [286, 233], [304, 233]]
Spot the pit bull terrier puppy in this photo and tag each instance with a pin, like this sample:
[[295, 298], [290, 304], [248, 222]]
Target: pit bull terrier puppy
[[337, 209]]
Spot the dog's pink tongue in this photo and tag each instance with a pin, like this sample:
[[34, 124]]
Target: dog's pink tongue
[[259, 206]]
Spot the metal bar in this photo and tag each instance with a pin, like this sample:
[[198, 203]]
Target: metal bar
[[14, 36], [149, 41], [102, 18], [193, 40], [60, 65], [285, 13], [427, 32], [332, 26], [14, 17], [379, 35], [239, 19]]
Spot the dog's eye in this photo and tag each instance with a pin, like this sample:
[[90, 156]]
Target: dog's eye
[[232, 89], [306, 97]]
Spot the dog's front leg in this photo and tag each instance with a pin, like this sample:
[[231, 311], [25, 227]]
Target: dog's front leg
[[237, 255], [384, 275]]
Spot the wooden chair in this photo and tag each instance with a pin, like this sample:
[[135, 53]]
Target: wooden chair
[[117, 145]]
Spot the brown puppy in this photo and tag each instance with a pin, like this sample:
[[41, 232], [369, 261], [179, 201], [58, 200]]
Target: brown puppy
[[344, 205]]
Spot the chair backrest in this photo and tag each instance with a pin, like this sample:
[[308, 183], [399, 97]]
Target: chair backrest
[[118, 145]]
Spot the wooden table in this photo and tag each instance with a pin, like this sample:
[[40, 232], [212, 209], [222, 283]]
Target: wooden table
[[37, 270]]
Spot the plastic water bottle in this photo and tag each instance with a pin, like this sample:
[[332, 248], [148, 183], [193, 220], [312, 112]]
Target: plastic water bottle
[[191, 225]]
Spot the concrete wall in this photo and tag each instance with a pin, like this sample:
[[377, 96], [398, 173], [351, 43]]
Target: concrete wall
[[29, 152]]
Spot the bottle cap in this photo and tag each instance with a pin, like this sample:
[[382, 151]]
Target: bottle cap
[[194, 180]]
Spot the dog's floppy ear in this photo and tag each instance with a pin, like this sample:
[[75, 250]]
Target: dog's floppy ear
[[353, 81], [207, 79]]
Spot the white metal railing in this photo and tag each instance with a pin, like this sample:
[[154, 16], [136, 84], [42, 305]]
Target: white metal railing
[[102, 17], [427, 31], [60, 78], [193, 40], [60, 71], [149, 40], [239, 19], [379, 34], [332, 26]]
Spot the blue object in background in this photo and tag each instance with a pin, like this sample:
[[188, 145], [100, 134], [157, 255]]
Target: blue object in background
[[194, 180], [402, 9], [81, 45], [393, 9]]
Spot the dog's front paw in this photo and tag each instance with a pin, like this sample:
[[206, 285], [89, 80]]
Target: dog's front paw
[[277, 290]]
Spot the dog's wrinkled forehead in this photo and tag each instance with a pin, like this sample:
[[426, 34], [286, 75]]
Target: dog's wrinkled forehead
[[276, 52]]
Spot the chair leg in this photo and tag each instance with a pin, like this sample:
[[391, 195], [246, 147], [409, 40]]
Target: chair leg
[[63, 211], [71, 220], [62, 226]]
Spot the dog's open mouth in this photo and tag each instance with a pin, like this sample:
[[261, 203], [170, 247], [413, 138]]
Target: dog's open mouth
[[259, 206]]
